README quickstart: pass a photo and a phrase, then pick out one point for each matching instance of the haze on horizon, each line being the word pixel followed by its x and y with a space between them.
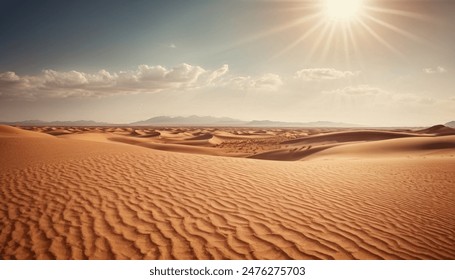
pixel 370 62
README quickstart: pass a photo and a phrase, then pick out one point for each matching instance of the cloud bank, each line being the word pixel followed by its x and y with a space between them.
pixel 144 79
pixel 153 79
pixel 301 93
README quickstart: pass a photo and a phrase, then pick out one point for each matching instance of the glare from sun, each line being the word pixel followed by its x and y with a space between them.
pixel 343 9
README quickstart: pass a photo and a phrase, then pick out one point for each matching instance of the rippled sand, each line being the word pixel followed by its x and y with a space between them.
pixel 194 193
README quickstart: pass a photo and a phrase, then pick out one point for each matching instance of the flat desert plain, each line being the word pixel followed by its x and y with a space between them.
pixel 226 193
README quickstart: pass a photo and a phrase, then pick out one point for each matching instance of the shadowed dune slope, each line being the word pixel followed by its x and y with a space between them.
pixel 73 199
pixel 292 154
pixel 401 147
pixel 438 130
pixel 350 136
pixel 168 147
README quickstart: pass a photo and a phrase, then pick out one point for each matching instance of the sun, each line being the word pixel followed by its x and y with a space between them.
pixel 345 10
pixel 338 28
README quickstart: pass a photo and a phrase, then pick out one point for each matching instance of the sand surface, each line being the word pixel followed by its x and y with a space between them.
pixel 226 193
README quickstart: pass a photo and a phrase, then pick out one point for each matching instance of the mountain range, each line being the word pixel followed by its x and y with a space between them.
pixel 56 123
pixel 193 121
pixel 186 121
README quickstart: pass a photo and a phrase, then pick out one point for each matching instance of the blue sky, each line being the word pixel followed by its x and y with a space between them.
pixel 391 63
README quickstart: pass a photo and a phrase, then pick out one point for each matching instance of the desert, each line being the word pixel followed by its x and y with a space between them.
pixel 107 192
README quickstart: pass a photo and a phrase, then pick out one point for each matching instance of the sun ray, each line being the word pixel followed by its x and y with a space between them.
pixel 281 28
pixel 394 28
pixel 398 13
pixel 378 38
pixel 328 43
pixel 346 45
pixel 317 42
pixel 335 31
pixel 356 49
pixel 300 39
pixel 352 38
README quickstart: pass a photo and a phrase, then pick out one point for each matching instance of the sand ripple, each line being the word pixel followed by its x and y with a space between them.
pixel 145 204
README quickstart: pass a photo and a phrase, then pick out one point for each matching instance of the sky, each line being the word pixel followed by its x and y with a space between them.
pixel 368 62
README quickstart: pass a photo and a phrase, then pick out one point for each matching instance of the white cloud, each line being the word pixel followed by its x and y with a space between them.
pixel 8 77
pixel 213 76
pixel 320 74
pixel 360 90
pixel 172 46
pixel 69 79
pixel 437 70
pixel 269 82
pixel 144 79
pixel 184 74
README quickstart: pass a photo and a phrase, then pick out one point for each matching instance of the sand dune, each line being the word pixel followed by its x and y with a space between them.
pixel 204 136
pixel 403 147
pixel 292 154
pixel 400 147
pixel 350 136
pixel 169 147
pixel 103 193
pixel 271 144
pixel 438 130
pixel 9 131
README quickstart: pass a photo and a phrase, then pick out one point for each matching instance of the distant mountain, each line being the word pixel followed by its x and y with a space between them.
pixel 187 121
pixel 450 124
pixel 57 123
pixel 28 122
pixel 191 120
pixel 215 121
pixel 267 123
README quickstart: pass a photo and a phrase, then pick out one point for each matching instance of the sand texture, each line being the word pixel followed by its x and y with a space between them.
pixel 226 193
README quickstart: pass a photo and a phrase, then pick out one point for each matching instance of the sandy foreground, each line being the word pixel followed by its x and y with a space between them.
pixel 226 193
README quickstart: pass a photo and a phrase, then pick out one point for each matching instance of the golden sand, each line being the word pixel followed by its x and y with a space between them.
pixel 226 193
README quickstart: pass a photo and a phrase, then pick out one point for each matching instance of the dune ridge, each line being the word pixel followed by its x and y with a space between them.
pixel 258 143
pixel 67 198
